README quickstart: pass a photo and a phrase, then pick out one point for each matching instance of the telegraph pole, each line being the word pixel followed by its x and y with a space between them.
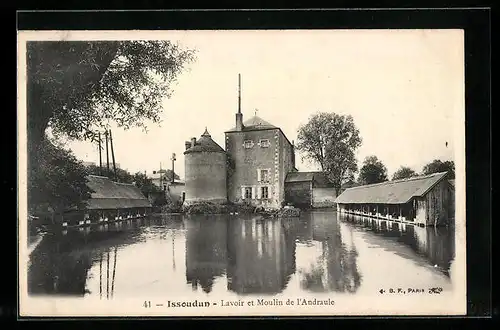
pixel 107 153
pixel 173 173
pixel 100 155
pixel 113 155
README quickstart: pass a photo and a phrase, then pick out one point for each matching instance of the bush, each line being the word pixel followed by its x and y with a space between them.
pixel 171 206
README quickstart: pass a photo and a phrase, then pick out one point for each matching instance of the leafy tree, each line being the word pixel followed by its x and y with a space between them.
pixel 144 183
pixel 77 87
pixel 403 173
pixel 58 182
pixel 331 140
pixel 372 171
pixel 439 166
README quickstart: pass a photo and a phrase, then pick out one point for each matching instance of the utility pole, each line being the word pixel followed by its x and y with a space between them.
pixel 113 155
pixel 100 155
pixel 173 173
pixel 107 153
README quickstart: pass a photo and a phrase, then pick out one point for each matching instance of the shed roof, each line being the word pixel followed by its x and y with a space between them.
pixel 205 144
pixel 391 192
pixel 319 178
pixel 107 194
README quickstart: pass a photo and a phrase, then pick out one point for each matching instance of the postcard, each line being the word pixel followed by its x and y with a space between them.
pixel 241 173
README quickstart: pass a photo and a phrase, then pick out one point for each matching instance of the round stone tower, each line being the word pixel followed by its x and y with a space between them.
pixel 205 171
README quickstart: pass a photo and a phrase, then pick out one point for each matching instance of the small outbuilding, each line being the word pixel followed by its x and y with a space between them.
pixel 425 200
pixel 309 190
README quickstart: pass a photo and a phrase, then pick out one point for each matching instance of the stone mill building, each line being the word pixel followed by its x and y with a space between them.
pixel 252 169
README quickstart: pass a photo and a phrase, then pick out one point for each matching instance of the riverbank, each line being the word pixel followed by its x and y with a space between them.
pixel 232 209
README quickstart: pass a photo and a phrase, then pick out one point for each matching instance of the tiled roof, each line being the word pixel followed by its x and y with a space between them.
pixel 107 194
pixel 205 144
pixel 391 192
pixel 255 123
pixel 320 179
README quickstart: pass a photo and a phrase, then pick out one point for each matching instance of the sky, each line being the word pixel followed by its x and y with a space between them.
pixel 404 89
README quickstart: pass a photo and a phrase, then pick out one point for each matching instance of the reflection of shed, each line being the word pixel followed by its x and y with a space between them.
pixel 309 189
pixel 425 199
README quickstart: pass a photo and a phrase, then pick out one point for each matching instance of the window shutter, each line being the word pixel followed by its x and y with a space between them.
pixel 259 178
pixel 259 193
pixel 243 192
pixel 253 192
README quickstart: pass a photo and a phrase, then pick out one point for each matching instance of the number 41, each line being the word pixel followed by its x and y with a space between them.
pixel 147 304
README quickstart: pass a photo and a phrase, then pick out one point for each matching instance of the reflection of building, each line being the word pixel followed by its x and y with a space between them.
pixel 336 269
pixel 437 244
pixel 206 251
pixel 261 256
pixel 426 200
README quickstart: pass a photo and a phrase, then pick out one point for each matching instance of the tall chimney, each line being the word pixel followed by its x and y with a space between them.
pixel 193 141
pixel 187 144
pixel 239 115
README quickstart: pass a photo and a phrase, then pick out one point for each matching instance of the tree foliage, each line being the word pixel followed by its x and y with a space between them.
pixel 145 184
pixel 76 88
pixel 403 173
pixel 439 166
pixel 331 140
pixel 59 182
pixel 372 171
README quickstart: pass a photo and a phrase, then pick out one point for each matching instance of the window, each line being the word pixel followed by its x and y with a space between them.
pixel 264 192
pixel 248 144
pixel 264 143
pixel 263 175
pixel 248 193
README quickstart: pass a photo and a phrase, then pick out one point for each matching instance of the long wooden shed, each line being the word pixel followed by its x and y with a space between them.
pixel 425 200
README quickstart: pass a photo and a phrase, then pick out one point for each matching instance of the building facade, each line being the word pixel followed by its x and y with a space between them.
pixel 260 158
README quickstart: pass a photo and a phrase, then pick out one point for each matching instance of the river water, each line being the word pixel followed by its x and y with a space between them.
pixel 196 256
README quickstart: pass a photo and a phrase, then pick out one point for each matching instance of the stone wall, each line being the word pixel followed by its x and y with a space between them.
pixel 247 162
pixel 205 177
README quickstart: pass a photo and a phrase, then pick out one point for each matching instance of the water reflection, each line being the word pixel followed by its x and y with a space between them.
pixel 261 256
pixel 206 251
pixel 436 245
pixel 335 268
pixel 318 252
